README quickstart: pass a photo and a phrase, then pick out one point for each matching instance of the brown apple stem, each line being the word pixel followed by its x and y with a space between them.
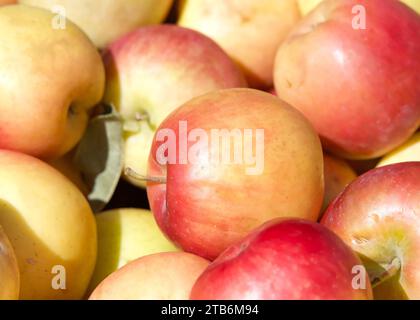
pixel 136 176
pixel 390 271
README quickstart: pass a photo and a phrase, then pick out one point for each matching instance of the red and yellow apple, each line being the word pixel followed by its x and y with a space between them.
pixel 106 20
pixel 50 226
pixel 9 271
pixel 285 259
pixel 151 72
pixel 358 84
pixel 160 276
pixel 337 175
pixel 409 151
pixel 249 30
pixel 206 201
pixel 123 236
pixel 378 216
pixel 49 81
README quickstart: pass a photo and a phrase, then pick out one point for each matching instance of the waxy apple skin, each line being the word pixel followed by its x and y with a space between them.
pixel 250 31
pixel 152 71
pixel 359 88
pixel 50 79
pixel 106 20
pixel 378 215
pixel 49 223
pixel 159 276
pixel 285 259
pixel 205 208
pixel 9 270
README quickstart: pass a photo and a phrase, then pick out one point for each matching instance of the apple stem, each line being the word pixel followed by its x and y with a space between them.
pixel 136 176
pixel 388 273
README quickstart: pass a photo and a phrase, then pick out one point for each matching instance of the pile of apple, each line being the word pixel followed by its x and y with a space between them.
pixel 87 88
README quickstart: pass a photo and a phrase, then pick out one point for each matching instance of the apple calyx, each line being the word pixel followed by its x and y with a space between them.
pixel 390 270
pixel 140 177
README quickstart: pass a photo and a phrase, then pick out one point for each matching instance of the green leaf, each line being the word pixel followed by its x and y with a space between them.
pixel 99 157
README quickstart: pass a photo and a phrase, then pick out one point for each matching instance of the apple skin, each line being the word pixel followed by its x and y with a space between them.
pixel 5 2
pixel 123 236
pixel 378 215
pixel 9 271
pixel 50 80
pixel 153 70
pixel 106 20
pixel 48 222
pixel 205 208
pixel 308 5
pixel 409 151
pixel 160 276
pixel 285 259
pixel 359 88
pixel 250 31
pixel 337 175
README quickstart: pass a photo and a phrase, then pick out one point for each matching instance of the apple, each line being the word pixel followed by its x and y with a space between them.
pixel 337 175
pixel 50 226
pixel 4 2
pixel 9 271
pixel 213 195
pixel 123 236
pixel 409 151
pixel 415 4
pixel 307 6
pixel 152 71
pixel 359 87
pixel 285 259
pixel 106 20
pixel 249 30
pixel 160 276
pixel 50 80
pixel 378 216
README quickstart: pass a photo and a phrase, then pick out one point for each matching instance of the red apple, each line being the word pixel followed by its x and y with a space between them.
pixel 289 259
pixel 358 84
pixel 207 205
pixel 159 276
pixel 378 215
pixel 152 71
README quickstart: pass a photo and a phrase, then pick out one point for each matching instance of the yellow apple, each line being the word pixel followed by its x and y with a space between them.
pixel 159 276
pixel 50 226
pixel 250 31
pixel 307 5
pixel 106 20
pixel 9 271
pixel 50 79
pixel 123 236
pixel 415 4
pixel 409 151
